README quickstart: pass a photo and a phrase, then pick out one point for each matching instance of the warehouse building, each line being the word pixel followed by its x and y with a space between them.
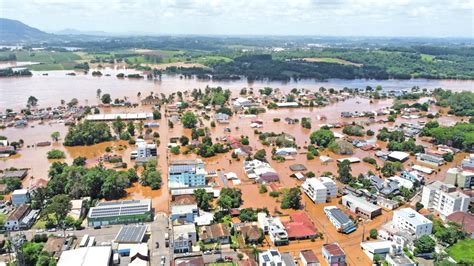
pixel 361 207
pixel 340 220
pixel 127 211
pixel 112 117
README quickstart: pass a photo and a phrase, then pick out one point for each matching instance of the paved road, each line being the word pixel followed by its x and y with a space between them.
pixel 158 229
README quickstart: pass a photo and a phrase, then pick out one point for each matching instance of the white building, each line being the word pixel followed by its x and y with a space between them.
pixel 409 220
pixel 380 247
pixel 184 237
pixel 95 255
pixel 319 190
pixel 399 260
pixel 271 257
pixel 20 196
pixel 444 198
pixel 274 228
pixel 468 162
pixel 360 206
pixel 459 178
pixel 184 213
pixel 145 150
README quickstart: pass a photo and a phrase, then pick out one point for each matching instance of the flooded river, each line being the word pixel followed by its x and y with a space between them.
pixel 53 86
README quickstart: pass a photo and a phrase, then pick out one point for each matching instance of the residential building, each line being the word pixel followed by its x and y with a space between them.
pixel 401 182
pixel 221 118
pixel 398 156
pixel 333 254
pixel 184 213
pixel 444 198
pixel 184 237
pixel 319 190
pixel 21 218
pixel 20 196
pixel 113 117
pixel 339 220
pixel 430 159
pixel 466 220
pixel 77 209
pixel 361 207
pixel 379 247
pixel 468 162
pixel 300 226
pixel 261 171
pixel 288 260
pixel 271 257
pixel 117 212
pixel 144 151
pixel 399 260
pixel 251 233
pixel 274 228
pixel 308 258
pixel 215 233
pixel 241 102
pixel 411 221
pixel 285 151
pixel 94 255
pixel 186 173
pixel 387 204
pixel 460 178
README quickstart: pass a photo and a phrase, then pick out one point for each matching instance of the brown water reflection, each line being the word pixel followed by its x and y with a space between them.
pixel 57 85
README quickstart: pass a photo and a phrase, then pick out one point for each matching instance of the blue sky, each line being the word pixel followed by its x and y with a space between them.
pixel 422 18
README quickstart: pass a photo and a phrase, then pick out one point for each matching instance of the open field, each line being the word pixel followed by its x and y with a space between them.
pixel 331 60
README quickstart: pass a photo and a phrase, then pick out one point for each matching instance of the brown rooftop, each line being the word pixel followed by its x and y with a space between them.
pixel 54 244
pixel 214 231
pixel 334 249
pixel 466 220
pixel 309 256
pixel 19 212
pixel 250 231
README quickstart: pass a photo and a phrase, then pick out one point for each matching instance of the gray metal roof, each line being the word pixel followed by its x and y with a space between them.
pixel 175 169
pixel 339 216
pixel 126 207
pixel 131 234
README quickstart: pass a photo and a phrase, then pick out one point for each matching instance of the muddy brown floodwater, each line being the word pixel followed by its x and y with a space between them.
pixel 50 89
pixel 52 86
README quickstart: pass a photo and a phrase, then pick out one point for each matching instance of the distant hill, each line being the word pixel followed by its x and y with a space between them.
pixel 69 31
pixel 14 31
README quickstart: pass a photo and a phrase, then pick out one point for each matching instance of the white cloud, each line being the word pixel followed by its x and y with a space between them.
pixel 314 17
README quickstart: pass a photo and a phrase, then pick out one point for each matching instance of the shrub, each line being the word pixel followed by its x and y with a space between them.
pixel 56 154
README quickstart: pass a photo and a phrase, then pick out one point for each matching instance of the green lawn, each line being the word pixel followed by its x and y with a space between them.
pixel 462 250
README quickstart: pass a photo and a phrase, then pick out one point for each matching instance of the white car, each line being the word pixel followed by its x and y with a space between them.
pixel 163 260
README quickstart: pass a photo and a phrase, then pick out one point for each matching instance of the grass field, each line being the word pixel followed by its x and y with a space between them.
pixel 331 60
pixel 48 60
pixel 462 250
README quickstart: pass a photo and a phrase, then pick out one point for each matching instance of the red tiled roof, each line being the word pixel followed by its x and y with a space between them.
pixel 309 256
pixel 334 249
pixel 300 226
pixel 466 220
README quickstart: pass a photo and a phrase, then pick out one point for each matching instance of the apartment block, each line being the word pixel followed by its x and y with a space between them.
pixel 186 173
pixel 444 198
pixel 411 221
pixel 319 190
